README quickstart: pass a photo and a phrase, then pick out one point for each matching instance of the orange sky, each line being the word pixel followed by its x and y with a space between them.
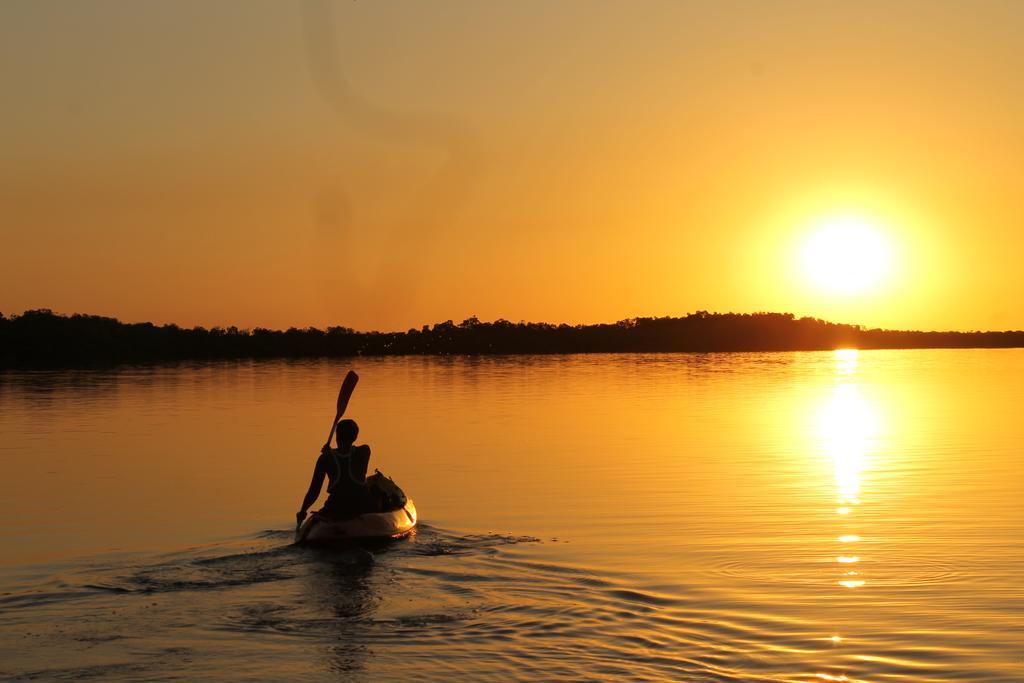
pixel 385 165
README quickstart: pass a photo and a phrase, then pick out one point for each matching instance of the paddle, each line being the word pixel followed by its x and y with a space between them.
pixel 344 394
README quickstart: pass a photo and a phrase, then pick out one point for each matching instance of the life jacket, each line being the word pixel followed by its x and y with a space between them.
pixel 342 461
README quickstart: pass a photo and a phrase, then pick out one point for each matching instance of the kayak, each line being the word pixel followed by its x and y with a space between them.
pixel 367 526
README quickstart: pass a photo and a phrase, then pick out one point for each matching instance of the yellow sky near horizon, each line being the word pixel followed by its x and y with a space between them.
pixel 386 165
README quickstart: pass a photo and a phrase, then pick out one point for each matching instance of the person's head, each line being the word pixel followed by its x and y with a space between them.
pixel 348 430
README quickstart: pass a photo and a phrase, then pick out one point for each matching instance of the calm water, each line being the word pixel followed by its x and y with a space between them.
pixel 747 517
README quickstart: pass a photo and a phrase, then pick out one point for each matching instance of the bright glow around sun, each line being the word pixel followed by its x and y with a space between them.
pixel 846 255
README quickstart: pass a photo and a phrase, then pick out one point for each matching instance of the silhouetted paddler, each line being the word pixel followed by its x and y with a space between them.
pixel 345 469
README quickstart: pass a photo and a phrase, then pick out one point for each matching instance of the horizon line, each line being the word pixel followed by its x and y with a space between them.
pixel 470 319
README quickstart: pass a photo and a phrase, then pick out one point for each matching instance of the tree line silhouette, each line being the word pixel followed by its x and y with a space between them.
pixel 43 338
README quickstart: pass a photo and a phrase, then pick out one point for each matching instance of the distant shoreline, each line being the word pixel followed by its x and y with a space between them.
pixel 41 338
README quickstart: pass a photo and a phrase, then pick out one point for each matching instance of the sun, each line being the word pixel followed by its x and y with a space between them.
pixel 846 255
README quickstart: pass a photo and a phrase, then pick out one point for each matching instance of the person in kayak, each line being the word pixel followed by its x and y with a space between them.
pixel 345 469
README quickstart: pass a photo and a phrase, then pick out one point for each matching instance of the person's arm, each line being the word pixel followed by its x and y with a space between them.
pixel 317 482
pixel 360 461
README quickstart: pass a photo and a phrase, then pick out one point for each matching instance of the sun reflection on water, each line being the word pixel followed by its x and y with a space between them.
pixel 848 426
pixel 846 361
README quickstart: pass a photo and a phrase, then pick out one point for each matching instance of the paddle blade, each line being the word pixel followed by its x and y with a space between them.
pixel 347 387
